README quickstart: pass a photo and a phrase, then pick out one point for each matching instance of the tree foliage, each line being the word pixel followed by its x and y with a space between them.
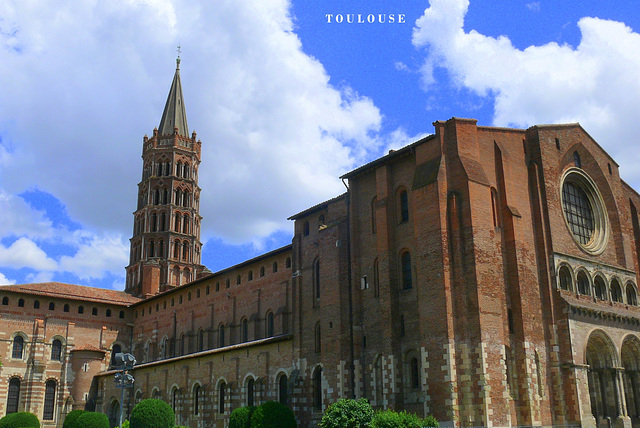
pixel 20 419
pixel 347 413
pixel 273 414
pixel 241 417
pixel 92 420
pixel 152 413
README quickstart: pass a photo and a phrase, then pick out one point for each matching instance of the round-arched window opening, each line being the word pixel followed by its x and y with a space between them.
pixel 584 211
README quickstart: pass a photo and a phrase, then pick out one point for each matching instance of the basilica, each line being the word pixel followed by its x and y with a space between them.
pixel 487 276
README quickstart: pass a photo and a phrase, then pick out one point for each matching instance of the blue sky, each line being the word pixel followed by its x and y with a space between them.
pixel 283 101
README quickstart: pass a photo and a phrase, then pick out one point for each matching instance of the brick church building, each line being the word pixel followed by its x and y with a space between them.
pixel 487 276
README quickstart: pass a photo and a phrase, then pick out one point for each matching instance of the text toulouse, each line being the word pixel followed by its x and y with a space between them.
pixel 371 18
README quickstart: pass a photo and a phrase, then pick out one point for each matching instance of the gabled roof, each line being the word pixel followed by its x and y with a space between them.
pixel 174 114
pixel 73 292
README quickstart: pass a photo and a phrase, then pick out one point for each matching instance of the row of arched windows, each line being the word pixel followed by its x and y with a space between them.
pixel 18 347
pixel 198 398
pixel 65 308
pixel 596 286
pixel 13 397
pixel 163 168
pixel 159 222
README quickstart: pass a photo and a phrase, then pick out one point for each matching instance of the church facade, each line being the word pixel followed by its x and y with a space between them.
pixel 487 276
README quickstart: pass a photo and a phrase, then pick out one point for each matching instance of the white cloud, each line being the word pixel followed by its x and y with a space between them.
pixel 594 83
pixel 24 253
pixel 17 218
pixel 5 281
pixel 96 257
pixel 276 134
pixel 533 6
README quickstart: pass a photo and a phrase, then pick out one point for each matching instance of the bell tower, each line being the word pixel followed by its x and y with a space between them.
pixel 165 247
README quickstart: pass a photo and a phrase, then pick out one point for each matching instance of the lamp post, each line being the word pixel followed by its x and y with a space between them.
pixel 122 379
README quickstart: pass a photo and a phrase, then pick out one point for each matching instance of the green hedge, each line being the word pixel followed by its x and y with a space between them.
pixel 20 419
pixel 152 413
pixel 391 419
pixel 72 417
pixel 241 417
pixel 347 413
pixel 92 420
pixel 273 414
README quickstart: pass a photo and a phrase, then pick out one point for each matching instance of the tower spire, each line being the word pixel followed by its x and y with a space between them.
pixel 174 115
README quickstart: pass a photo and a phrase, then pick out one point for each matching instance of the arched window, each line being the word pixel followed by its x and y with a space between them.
pixel 18 347
pixel 49 400
pixel 152 249
pixel 270 325
pixel 262 271
pixel 94 311
pixel 407 281
pixel 402 328
pixel 288 263
pixel 305 228
pixel 52 306
pixel 66 307
pixel 163 221
pixel 13 397
pixel 161 248
pixel 185 250
pixel 228 284
pixel 221 335
pixel 174 400
pixel 154 222
pixel 415 373
pixel 599 288
pixel 108 313
pixel 275 267
pixel 36 304
pixel 185 224
pixel 56 350
pixel 165 196
pixel 238 279
pixel 583 284
pixel 176 249
pixel 632 298
pixel 317 338
pixel 245 330
pixel 317 389
pixel 316 278
pixel 21 303
pixel 177 223
pixel 156 197
pixel 404 206
pixel 576 159
pixel 250 275
pixel 116 349
pixel 565 278
pixel 197 392
pixel 250 392
pixel 5 301
pixel 222 396
pixel 121 314
pixel 283 391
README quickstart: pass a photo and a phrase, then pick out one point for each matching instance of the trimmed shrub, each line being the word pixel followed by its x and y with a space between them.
pixel 241 417
pixel 347 413
pixel 20 419
pixel 152 413
pixel 272 414
pixel 72 417
pixel 125 424
pixel 391 419
pixel 92 420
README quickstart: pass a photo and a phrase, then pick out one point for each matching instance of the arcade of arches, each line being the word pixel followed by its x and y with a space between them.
pixel 613 377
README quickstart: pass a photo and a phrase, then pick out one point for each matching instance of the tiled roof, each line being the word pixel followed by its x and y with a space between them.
pixel 88 348
pixel 72 291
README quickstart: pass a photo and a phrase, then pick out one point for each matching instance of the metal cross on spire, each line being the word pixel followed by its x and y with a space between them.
pixel 178 59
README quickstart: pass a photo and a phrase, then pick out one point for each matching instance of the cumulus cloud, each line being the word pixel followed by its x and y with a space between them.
pixel 24 253
pixel 96 257
pixel 594 83
pixel 5 281
pixel 276 134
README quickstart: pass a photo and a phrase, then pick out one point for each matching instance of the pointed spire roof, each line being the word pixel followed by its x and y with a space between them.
pixel 174 114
